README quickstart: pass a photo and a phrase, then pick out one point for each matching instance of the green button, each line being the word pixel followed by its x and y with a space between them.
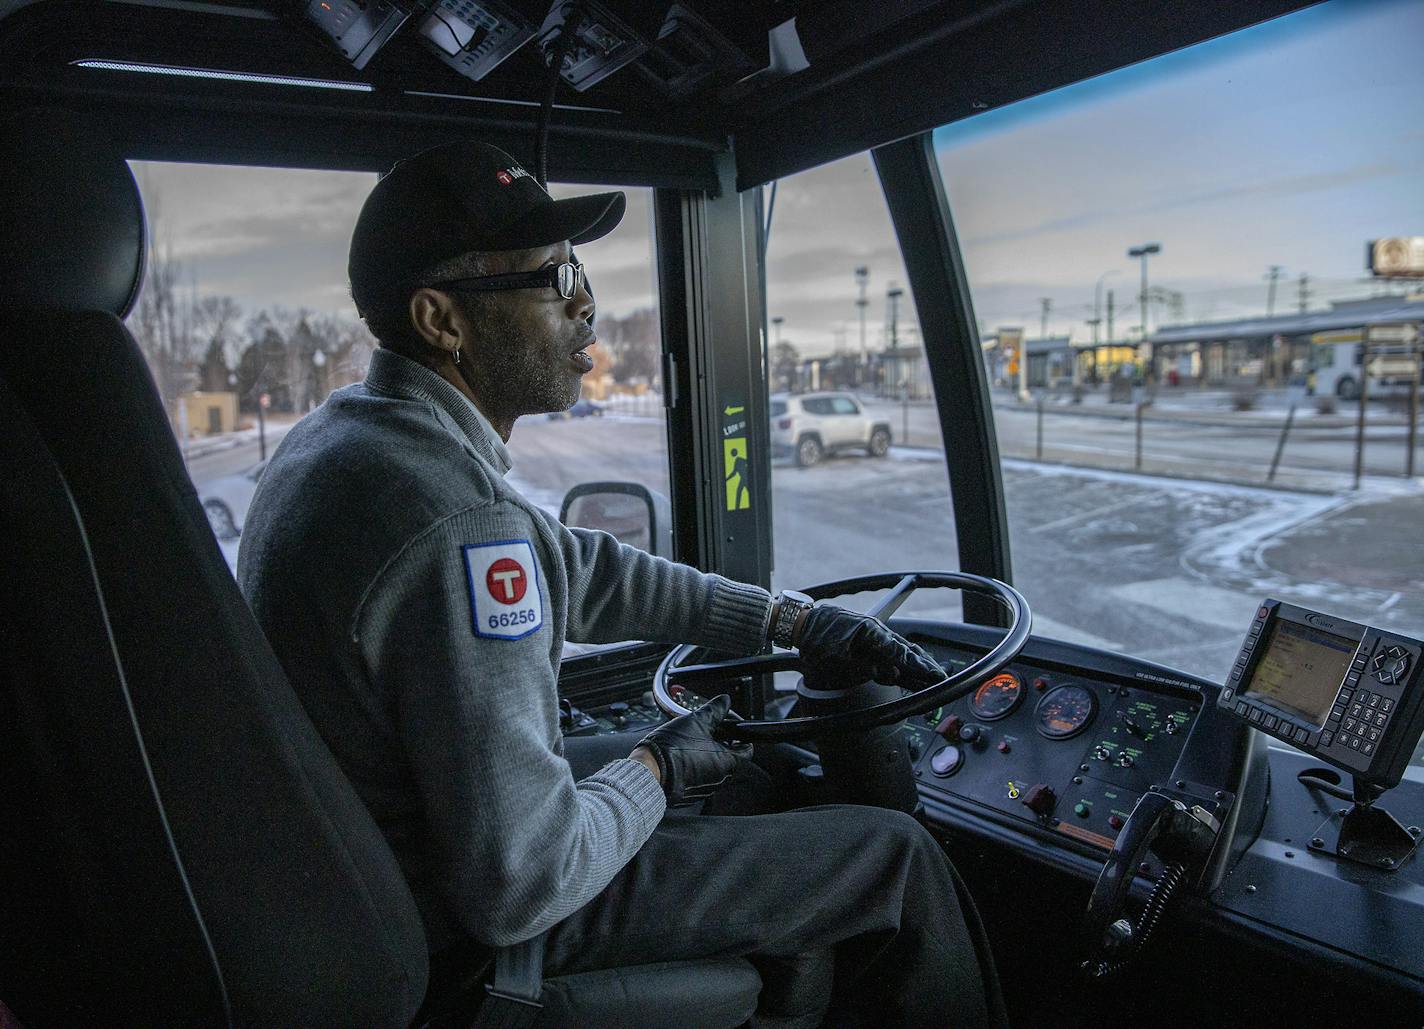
pixel 1081 809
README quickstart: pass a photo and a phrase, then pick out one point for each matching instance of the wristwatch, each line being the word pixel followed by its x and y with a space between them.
pixel 790 606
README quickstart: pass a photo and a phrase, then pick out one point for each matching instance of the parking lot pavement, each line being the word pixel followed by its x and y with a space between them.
pixel 1172 571
pixel 1167 569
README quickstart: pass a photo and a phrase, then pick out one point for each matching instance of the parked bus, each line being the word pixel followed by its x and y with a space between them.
pixel 1337 361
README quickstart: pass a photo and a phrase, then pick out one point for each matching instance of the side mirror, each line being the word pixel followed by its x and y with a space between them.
pixel 631 513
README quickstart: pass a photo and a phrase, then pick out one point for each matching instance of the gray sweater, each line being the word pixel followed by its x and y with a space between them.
pixel 420 605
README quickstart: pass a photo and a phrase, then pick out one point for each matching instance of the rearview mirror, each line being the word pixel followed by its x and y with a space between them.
pixel 631 513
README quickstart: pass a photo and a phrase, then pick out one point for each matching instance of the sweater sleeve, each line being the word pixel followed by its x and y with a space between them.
pixel 471 685
pixel 618 592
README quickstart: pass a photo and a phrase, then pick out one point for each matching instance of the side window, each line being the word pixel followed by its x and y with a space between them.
pixel 247 324
pixel 845 504
pixel 617 431
pixel 244 317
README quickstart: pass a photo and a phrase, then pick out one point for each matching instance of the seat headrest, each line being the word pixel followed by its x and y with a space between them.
pixel 72 234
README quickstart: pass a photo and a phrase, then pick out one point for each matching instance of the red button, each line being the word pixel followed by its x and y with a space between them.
pixel 1003 746
pixel 1040 683
pixel 1115 821
pixel 949 727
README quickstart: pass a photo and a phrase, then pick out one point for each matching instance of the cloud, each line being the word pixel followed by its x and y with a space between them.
pixel 1281 187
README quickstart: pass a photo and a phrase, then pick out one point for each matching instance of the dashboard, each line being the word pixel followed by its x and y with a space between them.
pixel 1046 761
pixel 1064 750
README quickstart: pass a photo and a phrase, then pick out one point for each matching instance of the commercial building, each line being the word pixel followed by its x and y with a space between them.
pixel 1285 349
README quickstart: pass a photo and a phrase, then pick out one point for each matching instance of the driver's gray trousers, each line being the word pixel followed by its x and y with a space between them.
pixel 863 890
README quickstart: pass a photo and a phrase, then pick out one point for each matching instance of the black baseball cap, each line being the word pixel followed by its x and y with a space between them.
pixel 455 199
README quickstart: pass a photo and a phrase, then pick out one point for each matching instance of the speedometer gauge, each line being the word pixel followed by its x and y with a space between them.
pixel 997 697
pixel 1065 711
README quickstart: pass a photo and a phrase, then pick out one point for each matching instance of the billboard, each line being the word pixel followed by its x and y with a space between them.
pixel 1398 257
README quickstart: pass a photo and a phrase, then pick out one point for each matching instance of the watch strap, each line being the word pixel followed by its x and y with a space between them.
pixel 789 609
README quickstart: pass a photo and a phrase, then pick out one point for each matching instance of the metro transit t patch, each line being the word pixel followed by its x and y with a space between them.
pixel 504 589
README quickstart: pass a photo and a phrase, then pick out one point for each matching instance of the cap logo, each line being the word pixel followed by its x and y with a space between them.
pixel 508 175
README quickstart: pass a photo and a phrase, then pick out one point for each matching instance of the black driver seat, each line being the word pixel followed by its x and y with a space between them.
pixel 177 845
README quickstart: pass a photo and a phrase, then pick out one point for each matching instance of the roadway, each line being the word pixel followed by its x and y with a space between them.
pixel 1319 452
pixel 1169 569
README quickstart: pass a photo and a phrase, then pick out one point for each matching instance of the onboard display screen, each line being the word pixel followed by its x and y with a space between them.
pixel 1301 669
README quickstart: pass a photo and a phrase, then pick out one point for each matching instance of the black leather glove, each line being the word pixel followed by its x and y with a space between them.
pixel 847 647
pixel 691 763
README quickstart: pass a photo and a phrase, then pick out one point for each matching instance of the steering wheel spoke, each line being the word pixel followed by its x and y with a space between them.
pixel 720 671
pixel 904 589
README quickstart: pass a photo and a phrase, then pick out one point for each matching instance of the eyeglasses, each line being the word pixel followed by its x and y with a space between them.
pixel 566 278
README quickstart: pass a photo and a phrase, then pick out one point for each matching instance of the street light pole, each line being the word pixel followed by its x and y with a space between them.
pixel 1142 254
pixel 862 279
pixel 892 301
pixel 1098 318
pixel 1098 304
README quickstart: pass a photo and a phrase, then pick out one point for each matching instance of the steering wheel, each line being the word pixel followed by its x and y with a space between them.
pixel 902 585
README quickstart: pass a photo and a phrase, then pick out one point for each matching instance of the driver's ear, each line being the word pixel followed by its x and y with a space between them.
pixel 433 315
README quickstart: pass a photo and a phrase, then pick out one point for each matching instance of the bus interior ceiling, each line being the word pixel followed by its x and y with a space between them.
pixel 782 85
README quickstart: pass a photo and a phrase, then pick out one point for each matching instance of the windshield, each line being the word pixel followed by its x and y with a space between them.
pixel 246 321
pixel 1166 268
pixel 842 318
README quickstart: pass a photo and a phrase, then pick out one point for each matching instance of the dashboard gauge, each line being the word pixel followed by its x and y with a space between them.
pixel 1065 711
pixel 997 697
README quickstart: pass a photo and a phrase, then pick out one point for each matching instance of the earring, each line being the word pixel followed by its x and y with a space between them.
pixel 457 355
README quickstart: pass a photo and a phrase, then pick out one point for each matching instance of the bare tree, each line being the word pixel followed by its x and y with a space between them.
pixel 215 330
pixel 785 366
pixel 162 323
pixel 162 320
pixel 347 344
pixel 634 342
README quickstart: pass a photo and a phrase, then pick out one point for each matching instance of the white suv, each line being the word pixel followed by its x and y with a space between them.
pixel 808 425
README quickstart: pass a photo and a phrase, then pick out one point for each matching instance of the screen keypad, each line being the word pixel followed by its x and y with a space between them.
pixel 1362 726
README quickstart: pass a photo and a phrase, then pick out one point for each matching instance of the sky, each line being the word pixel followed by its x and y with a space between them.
pixel 1289 144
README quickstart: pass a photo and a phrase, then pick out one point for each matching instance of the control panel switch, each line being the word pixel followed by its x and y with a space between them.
pixel 1040 799
pixel 949 727
pixel 946 760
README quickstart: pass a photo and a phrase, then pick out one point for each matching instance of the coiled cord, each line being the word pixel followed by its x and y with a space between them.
pixel 1162 890
pixel 568 34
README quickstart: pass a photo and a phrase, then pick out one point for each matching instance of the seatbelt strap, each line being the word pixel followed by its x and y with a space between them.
pixel 512 999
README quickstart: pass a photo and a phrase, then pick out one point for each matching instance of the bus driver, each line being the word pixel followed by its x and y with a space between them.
pixel 420 606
